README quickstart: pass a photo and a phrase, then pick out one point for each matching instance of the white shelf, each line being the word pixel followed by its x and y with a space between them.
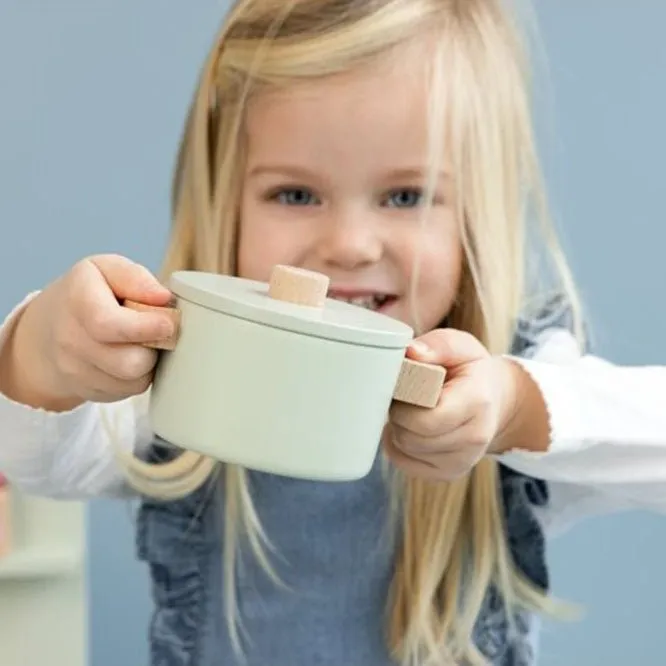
pixel 43 601
pixel 40 562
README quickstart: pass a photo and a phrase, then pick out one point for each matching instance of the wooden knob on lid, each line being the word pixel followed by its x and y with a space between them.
pixel 299 286
pixel 168 344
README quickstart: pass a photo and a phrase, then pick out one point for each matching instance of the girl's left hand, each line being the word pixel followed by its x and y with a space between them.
pixel 475 415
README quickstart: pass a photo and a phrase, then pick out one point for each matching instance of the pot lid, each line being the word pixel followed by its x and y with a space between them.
pixel 294 300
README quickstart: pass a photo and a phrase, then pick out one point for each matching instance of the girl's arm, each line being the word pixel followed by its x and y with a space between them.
pixel 67 455
pixel 607 449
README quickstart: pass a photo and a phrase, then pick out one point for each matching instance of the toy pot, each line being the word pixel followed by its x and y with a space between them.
pixel 280 378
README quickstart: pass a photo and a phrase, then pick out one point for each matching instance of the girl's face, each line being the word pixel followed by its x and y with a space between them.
pixel 334 183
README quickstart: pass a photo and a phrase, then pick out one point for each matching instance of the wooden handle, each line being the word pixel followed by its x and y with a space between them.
pixel 168 344
pixel 418 383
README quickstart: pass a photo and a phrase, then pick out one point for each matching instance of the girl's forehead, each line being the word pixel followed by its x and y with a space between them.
pixel 381 107
pixel 403 70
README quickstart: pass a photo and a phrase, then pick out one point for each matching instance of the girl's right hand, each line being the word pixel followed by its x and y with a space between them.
pixel 75 342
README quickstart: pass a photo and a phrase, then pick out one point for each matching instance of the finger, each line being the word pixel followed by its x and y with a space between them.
pixel 106 321
pixel 437 466
pixel 93 384
pixel 418 446
pixel 455 407
pixel 124 362
pixel 447 347
pixel 458 450
pixel 97 309
pixel 410 465
pixel 129 280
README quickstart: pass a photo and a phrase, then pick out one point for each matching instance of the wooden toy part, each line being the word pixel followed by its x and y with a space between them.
pixel 299 286
pixel 419 383
pixel 169 344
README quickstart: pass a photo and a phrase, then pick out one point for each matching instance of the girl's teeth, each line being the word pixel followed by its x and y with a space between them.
pixel 368 302
pixel 363 301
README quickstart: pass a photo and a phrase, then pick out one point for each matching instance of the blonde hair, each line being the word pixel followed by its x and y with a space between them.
pixel 478 66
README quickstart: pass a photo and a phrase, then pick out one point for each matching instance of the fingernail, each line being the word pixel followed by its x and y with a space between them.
pixel 420 347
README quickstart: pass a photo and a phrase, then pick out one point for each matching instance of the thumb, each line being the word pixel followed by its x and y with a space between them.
pixel 447 347
pixel 129 280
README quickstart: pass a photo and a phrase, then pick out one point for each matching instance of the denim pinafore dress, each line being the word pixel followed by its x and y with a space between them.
pixel 332 554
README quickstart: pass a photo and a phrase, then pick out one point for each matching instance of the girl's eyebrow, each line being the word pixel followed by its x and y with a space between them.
pixel 417 173
pixel 281 169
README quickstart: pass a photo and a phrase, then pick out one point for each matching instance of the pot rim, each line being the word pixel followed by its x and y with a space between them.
pixel 249 299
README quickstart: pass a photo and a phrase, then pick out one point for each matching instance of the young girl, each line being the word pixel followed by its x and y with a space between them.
pixel 388 144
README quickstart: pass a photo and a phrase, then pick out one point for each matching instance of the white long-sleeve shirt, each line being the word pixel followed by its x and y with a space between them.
pixel 607 451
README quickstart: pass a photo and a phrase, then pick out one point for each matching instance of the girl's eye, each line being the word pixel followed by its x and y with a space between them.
pixel 295 196
pixel 406 198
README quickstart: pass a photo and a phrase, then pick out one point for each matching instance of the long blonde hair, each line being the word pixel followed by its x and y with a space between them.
pixel 449 529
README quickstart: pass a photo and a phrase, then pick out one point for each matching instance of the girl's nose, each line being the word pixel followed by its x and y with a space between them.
pixel 350 241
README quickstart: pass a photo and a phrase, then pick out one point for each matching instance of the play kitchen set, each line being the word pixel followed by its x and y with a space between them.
pixel 279 377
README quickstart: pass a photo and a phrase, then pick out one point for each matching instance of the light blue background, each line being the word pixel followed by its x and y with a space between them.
pixel 92 96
